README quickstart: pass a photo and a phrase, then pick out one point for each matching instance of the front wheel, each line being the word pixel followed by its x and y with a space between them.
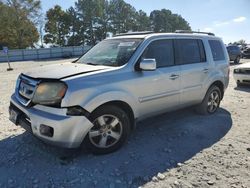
pixel 110 131
pixel 211 101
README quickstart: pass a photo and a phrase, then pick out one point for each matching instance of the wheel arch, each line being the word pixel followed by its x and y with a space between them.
pixel 124 106
pixel 220 85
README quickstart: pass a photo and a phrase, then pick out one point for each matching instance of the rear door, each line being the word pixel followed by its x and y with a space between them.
pixel 194 69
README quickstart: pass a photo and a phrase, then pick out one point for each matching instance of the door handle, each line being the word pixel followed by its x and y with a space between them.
pixel 205 70
pixel 174 76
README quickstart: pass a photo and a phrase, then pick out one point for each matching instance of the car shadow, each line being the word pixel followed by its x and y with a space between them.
pixel 157 145
pixel 245 88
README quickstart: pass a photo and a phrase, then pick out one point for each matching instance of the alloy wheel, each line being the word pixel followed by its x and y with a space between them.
pixel 213 102
pixel 106 132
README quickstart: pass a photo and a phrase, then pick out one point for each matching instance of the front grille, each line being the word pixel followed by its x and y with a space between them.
pixel 25 89
pixel 243 71
pixel 246 71
pixel 246 81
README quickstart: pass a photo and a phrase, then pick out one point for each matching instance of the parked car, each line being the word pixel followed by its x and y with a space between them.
pixel 98 99
pixel 242 74
pixel 246 53
pixel 234 53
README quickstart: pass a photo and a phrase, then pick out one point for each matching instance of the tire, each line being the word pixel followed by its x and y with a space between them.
pixel 237 60
pixel 210 104
pixel 239 84
pixel 110 131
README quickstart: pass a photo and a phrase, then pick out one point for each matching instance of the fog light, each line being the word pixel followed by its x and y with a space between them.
pixel 46 130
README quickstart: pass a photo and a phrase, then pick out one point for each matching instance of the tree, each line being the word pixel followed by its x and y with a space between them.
pixel 89 13
pixel 17 30
pixel 241 42
pixel 75 28
pixel 57 27
pixel 30 8
pixel 142 21
pixel 164 21
pixel 103 21
pixel 123 16
pixel 91 20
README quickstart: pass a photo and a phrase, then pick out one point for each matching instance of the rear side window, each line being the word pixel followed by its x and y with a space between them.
pixel 188 51
pixel 217 50
pixel 162 51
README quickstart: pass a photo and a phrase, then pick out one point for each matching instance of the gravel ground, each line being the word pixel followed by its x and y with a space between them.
pixel 178 149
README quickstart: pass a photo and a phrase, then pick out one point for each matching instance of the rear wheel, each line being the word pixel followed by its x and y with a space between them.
pixel 110 131
pixel 211 101
pixel 239 84
pixel 237 60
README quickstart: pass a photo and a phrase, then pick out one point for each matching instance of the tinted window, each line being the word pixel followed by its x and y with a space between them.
pixel 236 48
pixel 217 50
pixel 189 51
pixel 162 51
pixel 202 51
pixel 233 48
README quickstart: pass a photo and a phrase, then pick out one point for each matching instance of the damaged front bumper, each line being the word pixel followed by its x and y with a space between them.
pixel 49 124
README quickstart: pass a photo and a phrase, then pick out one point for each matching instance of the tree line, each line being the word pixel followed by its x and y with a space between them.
pixel 18 21
pixel 87 22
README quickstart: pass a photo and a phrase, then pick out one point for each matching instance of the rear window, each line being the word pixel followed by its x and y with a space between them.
pixel 233 48
pixel 217 50
pixel 189 51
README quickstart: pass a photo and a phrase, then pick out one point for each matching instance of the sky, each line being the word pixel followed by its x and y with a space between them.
pixel 228 19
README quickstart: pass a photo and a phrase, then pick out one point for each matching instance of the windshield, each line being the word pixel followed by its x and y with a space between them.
pixel 112 52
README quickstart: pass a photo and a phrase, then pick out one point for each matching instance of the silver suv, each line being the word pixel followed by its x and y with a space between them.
pixel 98 99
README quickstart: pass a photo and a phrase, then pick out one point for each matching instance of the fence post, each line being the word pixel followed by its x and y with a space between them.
pixel 22 54
pixel 50 52
pixel 37 54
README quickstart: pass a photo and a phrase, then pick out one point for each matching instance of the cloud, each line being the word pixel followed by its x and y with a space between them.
pixel 239 19
pixel 207 29
pixel 219 24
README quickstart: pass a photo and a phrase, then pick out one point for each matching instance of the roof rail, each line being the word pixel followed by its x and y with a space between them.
pixel 135 33
pixel 198 32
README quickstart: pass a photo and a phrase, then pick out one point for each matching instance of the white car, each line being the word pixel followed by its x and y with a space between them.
pixel 242 74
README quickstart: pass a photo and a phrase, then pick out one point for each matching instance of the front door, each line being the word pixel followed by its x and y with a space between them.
pixel 158 90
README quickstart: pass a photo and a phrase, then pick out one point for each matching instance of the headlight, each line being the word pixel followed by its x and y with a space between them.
pixel 49 93
pixel 236 70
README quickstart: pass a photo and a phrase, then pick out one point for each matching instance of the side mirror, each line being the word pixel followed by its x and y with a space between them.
pixel 148 64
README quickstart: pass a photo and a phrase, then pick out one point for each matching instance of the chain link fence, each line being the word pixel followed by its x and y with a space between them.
pixel 43 53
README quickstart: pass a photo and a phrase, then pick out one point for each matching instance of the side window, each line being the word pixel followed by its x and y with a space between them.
pixel 162 51
pixel 202 51
pixel 189 51
pixel 217 50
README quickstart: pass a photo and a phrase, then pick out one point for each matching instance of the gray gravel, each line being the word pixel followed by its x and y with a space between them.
pixel 177 149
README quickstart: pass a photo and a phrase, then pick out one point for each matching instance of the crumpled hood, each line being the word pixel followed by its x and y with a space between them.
pixel 64 70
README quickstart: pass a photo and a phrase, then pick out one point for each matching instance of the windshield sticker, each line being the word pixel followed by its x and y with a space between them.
pixel 126 44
